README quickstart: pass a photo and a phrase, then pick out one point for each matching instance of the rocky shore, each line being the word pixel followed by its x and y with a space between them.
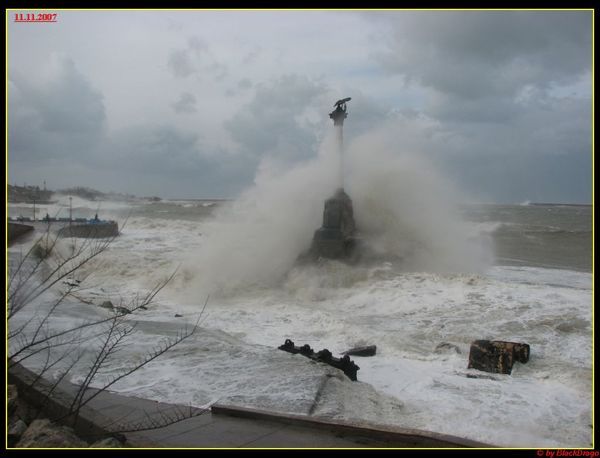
pixel 26 430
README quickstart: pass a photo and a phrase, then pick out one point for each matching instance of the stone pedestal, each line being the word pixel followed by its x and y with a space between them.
pixel 335 238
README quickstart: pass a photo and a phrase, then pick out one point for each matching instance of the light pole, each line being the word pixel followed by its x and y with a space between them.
pixel 34 196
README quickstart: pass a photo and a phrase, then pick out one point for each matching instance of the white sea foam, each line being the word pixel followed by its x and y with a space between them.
pixel 544 403
pixel 402 206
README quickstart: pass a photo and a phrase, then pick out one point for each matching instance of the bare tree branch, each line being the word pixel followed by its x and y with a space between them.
pixel 39 271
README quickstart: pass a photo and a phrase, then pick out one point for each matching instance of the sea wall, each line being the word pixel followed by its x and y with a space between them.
pixel 97 230
pixel 54 402
pixel 16 230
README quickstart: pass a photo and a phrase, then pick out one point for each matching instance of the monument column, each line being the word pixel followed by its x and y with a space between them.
pixel 338 115
pixel 335 238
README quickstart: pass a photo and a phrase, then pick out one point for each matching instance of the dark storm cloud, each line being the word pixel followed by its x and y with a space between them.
pixel 186 103
pixel 500 99
pixel 61 123
pixel 153 149
pixel 506 95
pixel 473 54
pixel 270 124
pixel 162 157
pixel 63 117
pixel 515 177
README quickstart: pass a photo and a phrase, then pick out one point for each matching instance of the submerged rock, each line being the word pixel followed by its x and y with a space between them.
pixel 107 305
pixel 368 350
pixel 345 364
pixel 446 347
pixel 497 356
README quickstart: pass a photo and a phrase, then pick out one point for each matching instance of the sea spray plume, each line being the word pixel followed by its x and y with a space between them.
pixel 405 208
pixel 257 239
pixel 402 208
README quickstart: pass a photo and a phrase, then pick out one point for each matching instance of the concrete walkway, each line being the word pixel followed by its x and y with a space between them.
pixel 233 427
pixel 220 426
pixel 210 429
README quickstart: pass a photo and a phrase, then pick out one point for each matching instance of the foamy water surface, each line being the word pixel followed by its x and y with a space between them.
pixel 407 314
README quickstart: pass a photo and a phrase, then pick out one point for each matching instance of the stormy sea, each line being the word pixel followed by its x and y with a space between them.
pixel 445 275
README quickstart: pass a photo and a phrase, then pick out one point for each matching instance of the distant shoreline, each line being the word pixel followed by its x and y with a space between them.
pixel 225 199
pixel 544 204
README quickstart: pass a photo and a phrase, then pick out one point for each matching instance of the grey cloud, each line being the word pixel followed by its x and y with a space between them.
pixel 62 117
pixel 364 114
pixel 269 124
pixel 244 83
pixel 206 59
pixel 197 45
pixel 193 58
pixel 186 103
pixel 449 107
pixel 496 123
pixel 472 54
pixel 70 104
pixel 171 161
pixel 515 178
pixel 251 57
pixel 542 153
pixel 57 132
pixel 153 149
pixel 180 63
pixel 501 100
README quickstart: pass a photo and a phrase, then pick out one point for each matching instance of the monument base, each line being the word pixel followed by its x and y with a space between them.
pixel 331 243
pixel 335 238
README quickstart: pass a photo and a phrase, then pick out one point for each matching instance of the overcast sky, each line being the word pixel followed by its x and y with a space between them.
pixel 187 103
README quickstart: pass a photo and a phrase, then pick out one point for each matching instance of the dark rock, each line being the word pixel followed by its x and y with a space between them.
pixel 71 282
pixel 445 347
pixel 368 350
pixel 497 356
pixel 177 315
pixel 480 376
pixel 41 250
pixel 16 428
pixel 324 356
pixel 122 310
pixel 306 350
pixel 107 442
pixel 12 398
pixel 44 433
pixel 107 305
